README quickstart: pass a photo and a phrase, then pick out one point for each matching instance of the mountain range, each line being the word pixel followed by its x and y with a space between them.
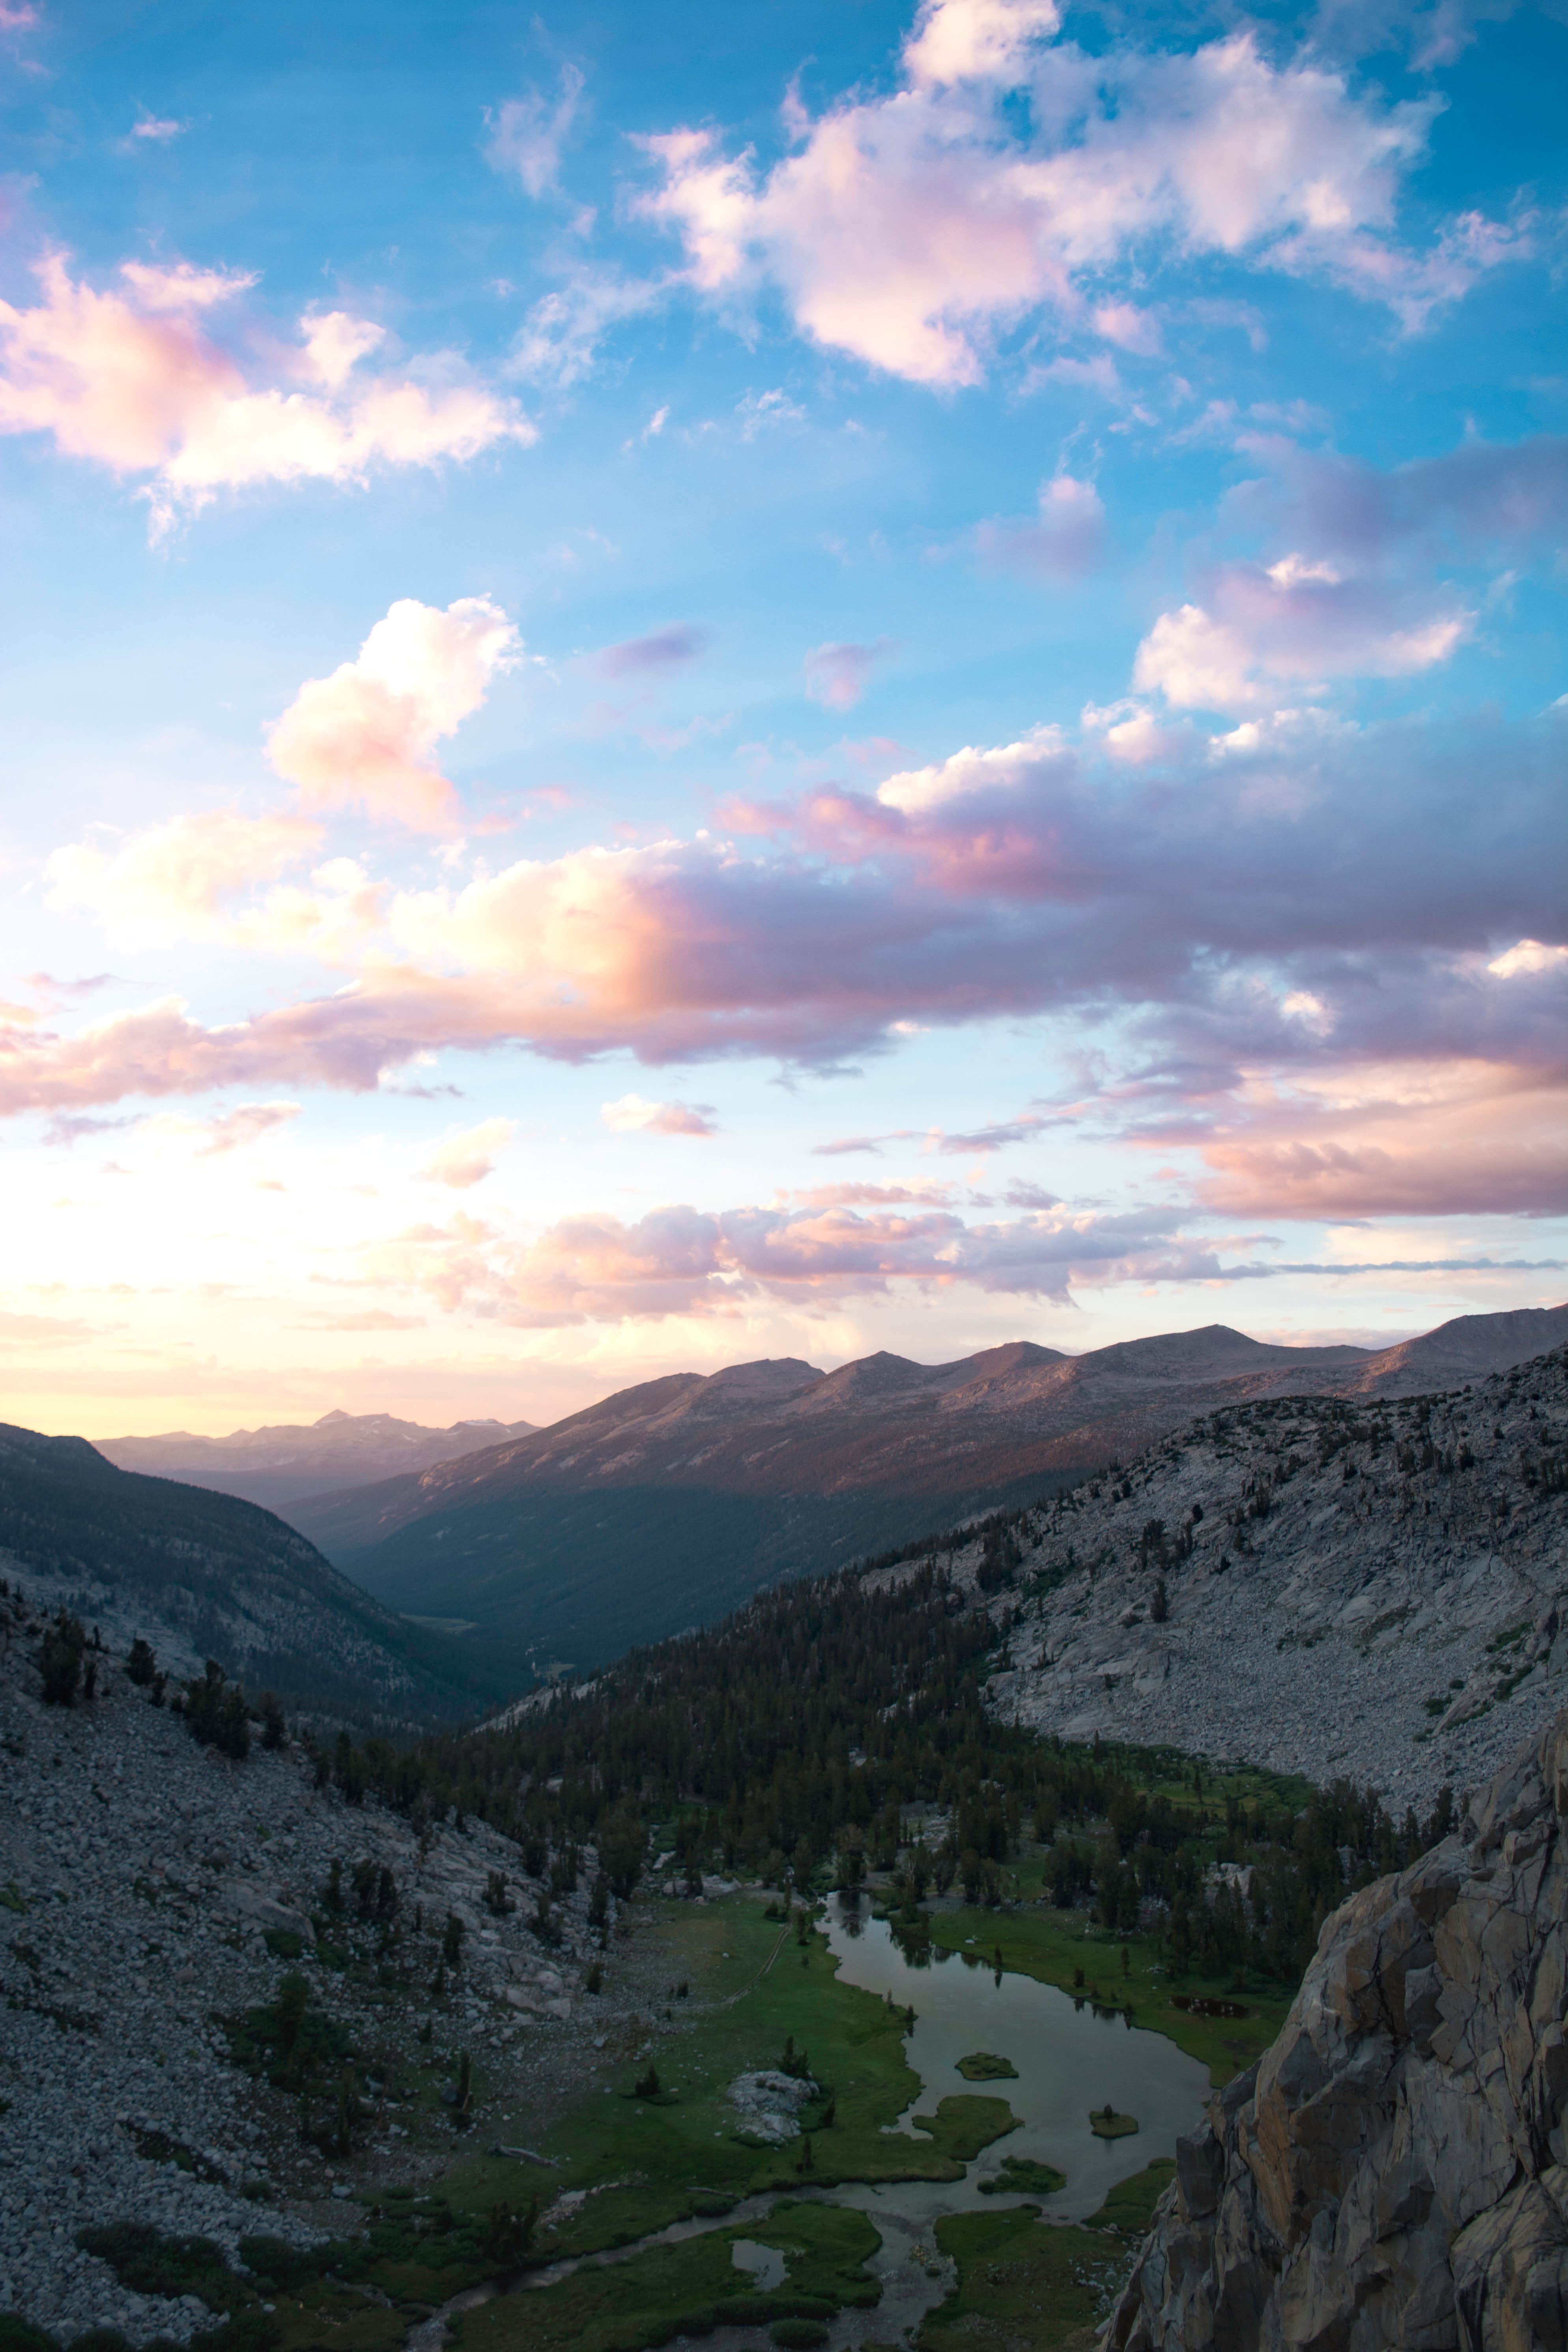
pixel 200 1575
pixel 671 1502
pixel 284 1461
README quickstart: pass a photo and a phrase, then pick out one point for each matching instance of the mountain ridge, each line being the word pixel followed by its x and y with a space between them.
pixel 281 1463
pixel 667 1503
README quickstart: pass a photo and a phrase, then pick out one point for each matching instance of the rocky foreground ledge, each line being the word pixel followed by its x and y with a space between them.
pixel 1395 2171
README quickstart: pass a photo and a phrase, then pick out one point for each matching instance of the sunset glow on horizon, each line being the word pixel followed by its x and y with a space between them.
pixel 778 684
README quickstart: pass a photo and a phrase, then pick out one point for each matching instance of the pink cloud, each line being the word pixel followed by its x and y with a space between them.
pixel 633 1114
pixel 133 379
pixel 1293 622
pixel 177 877
pixel 528 133
pixel 836 676
pixel 984 1139
pixel 1063 543
pixel 662 649
pixel 367 734
pixel 245 1125
pixel 466 1159
pixel 691 1262
pixel 1305 896
pixel 910 229
pixel 1481 499
pixel 1426 1141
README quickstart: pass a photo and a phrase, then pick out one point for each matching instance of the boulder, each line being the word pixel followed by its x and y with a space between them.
pixel 247 1903
pixel 1395 2171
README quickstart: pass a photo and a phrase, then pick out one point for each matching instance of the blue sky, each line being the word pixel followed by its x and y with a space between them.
pixel 792 682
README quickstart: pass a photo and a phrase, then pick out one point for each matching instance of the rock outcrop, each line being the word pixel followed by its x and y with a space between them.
pixel 1395 2171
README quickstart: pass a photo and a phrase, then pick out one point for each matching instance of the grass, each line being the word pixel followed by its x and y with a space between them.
pixel 984 2066
pixel 963 2124
pixel 1022 2176
pixel 1106 2123
pixel 687 2289
pixel 1022 2281
pixel 644 2164
pixel 1052 1947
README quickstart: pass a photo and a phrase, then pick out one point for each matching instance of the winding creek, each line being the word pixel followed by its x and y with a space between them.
pixel 1068 2062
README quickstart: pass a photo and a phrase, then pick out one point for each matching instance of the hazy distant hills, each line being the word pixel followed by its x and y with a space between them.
pixel 279 1465
pixel 201 1575
pixel 669 1503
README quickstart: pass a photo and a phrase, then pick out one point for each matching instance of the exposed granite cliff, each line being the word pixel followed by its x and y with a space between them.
pixel 1395 2171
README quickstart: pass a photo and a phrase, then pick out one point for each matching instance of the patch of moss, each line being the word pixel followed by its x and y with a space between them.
pixel 1106 2123
pixel 984 2066
pixel 690 2289
pixel 963 2124
pixel 1020 2176
pixel 1047 2286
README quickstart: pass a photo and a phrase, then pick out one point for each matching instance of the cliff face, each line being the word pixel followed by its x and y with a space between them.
pixel 1395 2171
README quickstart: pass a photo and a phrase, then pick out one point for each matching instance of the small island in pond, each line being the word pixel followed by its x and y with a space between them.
pixel 984 2066
pixel 1106 2123
pixel 1021 2177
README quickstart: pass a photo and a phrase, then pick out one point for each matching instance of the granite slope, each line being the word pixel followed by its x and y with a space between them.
pixel 206 1575
pixel 150 1891
pixel 1376 1587
pixel 1395 2171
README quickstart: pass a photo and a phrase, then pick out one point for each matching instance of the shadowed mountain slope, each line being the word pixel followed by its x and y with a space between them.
pixel 203 1575
pixel 285 1462
pixel 669 1503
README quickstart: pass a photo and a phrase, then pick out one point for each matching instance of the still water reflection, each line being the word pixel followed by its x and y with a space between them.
pixel 1068 2060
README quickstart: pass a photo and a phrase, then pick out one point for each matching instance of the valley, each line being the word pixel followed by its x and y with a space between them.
pixel 860 1965
pixel 669 1504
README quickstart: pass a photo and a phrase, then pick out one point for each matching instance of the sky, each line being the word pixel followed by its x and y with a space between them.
pixel 771 682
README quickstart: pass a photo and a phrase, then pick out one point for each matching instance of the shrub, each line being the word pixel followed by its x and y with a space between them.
pixel 148 2263
pixel 217 1714
pixel 60 1660
pixel 19 2334
pixel 141 1663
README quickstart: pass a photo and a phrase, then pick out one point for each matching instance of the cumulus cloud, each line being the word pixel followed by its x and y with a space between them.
pixel 528 133
pixel 836 676
pixel 1294 623
pixel 131 377
pixel 1310 897
pixel 466 1159
pixel 366 735
pixel 1529 957
pixel 157 130
pixel 1062 543
pixel 634 1115
pixel 178 877
pixel 910 229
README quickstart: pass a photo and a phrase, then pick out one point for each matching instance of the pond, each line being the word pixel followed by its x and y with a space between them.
pixel 1068 2062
